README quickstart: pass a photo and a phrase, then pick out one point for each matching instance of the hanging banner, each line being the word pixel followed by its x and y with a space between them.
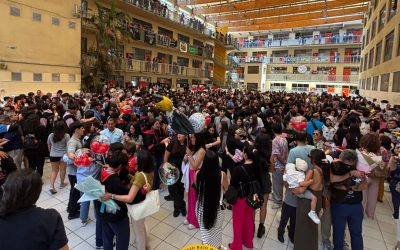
pixel 192 50
pixel 345 92
pixel 183 47
pixel 173 43
pixel 150 38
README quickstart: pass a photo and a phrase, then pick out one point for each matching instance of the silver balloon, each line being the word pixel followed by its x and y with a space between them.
pixel 169 174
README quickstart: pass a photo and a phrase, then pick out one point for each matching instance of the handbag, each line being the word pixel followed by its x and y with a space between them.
pixel 149 206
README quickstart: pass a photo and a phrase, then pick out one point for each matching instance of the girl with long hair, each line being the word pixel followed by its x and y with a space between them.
pixel 57 143
pixel 211 183
pixel 212 138
pixel 253 129
pixel 194 156
pixel 133 134
pixel 242 214
pixel 353 137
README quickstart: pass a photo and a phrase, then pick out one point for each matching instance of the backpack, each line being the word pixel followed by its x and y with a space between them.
pixel 254 198
pixel 31 142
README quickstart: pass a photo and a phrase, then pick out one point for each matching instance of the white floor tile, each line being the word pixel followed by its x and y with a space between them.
pixel 73 240
pixel 178 239
pixel 162 230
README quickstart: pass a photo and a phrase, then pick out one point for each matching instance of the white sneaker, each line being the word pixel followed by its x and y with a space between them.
pixel 191 227
pixel 314 217
pixel 185 222
pixel 85 222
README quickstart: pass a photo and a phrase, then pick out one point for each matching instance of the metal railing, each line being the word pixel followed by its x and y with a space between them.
pixel 296 59
pixel 313 77
pixel 182 19
pixel 318 40
pixel 165 69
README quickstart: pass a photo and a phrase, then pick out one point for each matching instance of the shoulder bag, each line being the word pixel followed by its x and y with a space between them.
pixel 149 206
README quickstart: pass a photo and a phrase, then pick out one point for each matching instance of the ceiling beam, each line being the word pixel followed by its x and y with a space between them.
pixel 298 17
pixel 247 5
pixel 283 11
pixel 295 24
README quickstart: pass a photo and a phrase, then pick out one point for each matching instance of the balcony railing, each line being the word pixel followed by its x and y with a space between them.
pixel 165 69
pixel 313 77
pixel 300 42
pixel 297 59
pixel 182 19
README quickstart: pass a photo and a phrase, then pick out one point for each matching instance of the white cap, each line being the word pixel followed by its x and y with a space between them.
pixel 301 165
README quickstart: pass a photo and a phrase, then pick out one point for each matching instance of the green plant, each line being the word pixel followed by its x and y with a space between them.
pixel 102 61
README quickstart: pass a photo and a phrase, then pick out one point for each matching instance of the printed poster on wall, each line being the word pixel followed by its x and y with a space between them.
pixel 183 47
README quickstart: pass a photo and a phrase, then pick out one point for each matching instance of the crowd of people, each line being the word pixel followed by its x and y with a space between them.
pixel 321 159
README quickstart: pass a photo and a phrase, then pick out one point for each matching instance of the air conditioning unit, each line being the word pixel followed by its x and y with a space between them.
pixel 77 11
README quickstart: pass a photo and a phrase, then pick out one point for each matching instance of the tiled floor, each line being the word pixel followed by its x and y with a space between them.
pixel 167 232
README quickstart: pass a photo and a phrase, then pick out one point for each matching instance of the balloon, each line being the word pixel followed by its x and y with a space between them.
pixel 198 122
pixel 126 110
pixel 100 144
pixel 208 120
pixel 168 173
pixel 299 123
pixel 82 158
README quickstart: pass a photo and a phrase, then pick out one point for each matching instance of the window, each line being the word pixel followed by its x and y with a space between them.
pixel 55 21
pixel 371 58
pixel 15 11
pixel 361 64
pixel 362 84
pixel 84 43
pixel 37 77
pixel 392 8
pixel 71 77
pixel 375 83
pixel 388 46
pixel 55 77
pixel 37 17
pixel 183 38
pixel 300 87
pixel 365 62
pixel 368 85
pixel 253 69
pixel 367 39
pixel 396 82
pixel 382 14
pixel 278 86
pixel 16 76
pixel 141 54
pixel 182 61
pixel 71 25
pixel 373 29
pixel 198 43
pixel 378 53
pixel 385 82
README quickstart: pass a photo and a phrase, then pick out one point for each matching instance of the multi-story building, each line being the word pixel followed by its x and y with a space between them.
pixel 380 67
pixel 39 46
pixel 163 45
pixel 303 61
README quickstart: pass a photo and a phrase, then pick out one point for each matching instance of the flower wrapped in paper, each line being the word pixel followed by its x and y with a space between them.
pixel 93 190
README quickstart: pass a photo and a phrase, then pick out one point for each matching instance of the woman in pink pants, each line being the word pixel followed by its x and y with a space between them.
pixel 195 161
pixel 242 214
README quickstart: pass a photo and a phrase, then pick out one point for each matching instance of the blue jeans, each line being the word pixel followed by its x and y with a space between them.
pixel 395 198
pixel 120 229
pixel 351 214
pixel 84 213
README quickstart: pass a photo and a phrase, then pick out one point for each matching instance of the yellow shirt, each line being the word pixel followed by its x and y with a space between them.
pixel 139 180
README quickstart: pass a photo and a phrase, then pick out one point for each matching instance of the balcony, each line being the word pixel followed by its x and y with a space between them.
pixel 158 68
pixel 269 43
pixel 156 10
pixel 313 78
pixel 297 59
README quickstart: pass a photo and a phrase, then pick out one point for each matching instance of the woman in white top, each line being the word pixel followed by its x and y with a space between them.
pixel 208 180
pixel 57 143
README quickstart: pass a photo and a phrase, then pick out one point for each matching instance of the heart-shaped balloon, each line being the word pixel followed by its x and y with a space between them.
pixel 208 120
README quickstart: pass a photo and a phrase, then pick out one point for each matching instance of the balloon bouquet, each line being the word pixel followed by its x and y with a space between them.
pixel 299 123
pixel 92 189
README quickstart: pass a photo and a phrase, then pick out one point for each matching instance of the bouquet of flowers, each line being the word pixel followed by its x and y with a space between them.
pixel 93 190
